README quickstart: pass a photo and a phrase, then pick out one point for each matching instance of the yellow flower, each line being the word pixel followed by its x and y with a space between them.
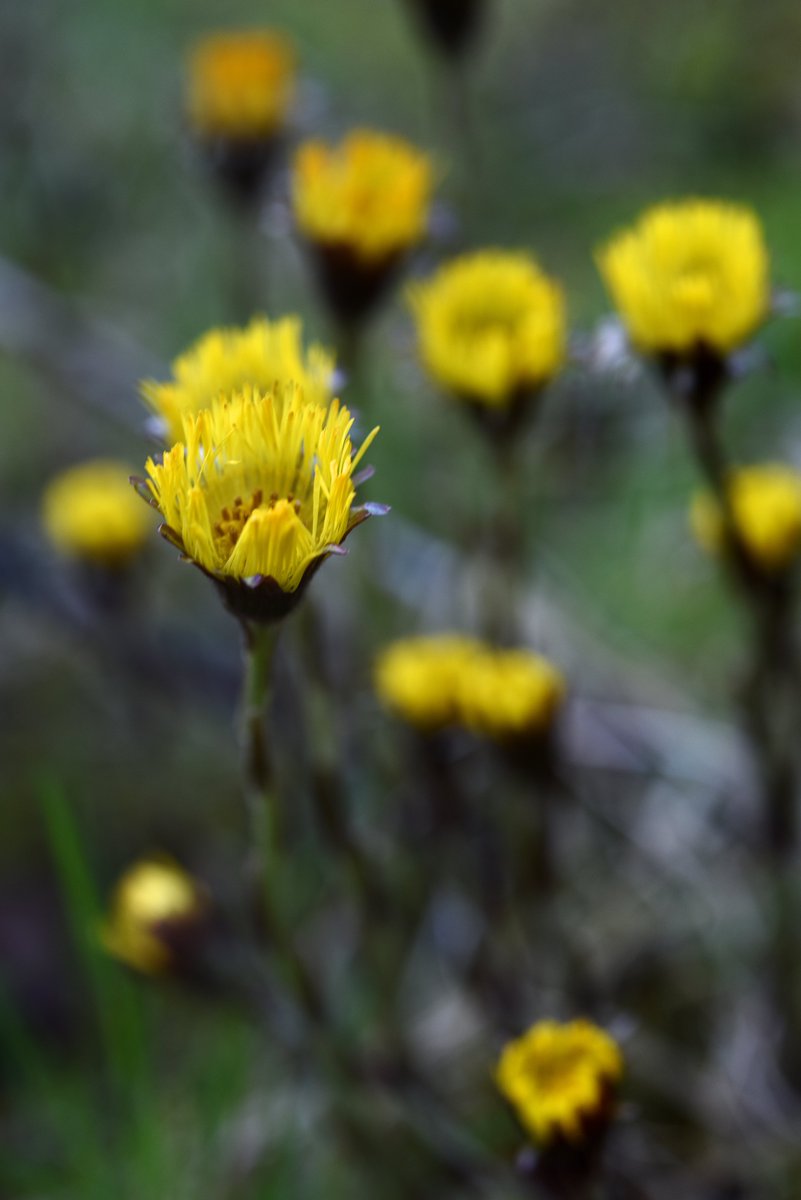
pixel 509 694
pixel 690 275
pixel 259 492
pixel 766 507
pixel 259 355
pixel 560 1079
pixel 418 678
pixel 370 194
pixel 491 326
pixel 91 513
pixel 153 904
pixel 240 85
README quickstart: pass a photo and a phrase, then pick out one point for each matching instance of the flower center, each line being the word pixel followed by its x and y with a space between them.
pixel 235 516
pixel 556 1071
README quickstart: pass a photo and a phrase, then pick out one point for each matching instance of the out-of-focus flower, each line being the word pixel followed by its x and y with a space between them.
pixel 155 908
pixel 418 678
pixel 259 493
pixel 259 355
pixel 360 206
pixel 561 1079
pixel 491 329
pixel 766 508
pixel 451 25
pixel 689 277
pixel 90 513
pixel 509 695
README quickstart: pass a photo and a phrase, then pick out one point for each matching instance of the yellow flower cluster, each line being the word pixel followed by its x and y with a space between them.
pixel 490 326
pixel 240 85
pixel 261 487
pixel 371 194
pixel 418 678
pixel 689 274
pixel 90 513
pixel 766 508
pixel 260 355
pixel 152 899
pixel 559 1077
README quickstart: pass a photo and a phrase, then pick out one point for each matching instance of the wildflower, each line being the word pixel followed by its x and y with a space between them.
pixel 561 1079
pixel 418 678
pixel 491 329
pixel 156 908
pixel 360 206
pixel 766 510
pixel 90 514
pixel 690 277
pixel 451 25
pixel 260 355
pixel 509 695
pixel 259 493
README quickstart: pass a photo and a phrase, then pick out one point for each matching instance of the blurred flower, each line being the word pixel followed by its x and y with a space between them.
pixel 259 355
pixel 451 25
pixel 155 907
pixel 418 678
pixel 689 276
pixel 491 328
pixel 240 84
pixel 509 694
pixel 90 513
pixel 766 509
pixel 361 206
pixel 560 1079
pixel 259 493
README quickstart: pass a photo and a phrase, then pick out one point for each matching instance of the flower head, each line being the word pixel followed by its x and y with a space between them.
pixel 154 904
pixel 766 508
pixel 90 513
pixel 688 276
pixel 560 1079
pixel 240 85
pixel 418 678
pixel 491 327
pixel 509 694
pixel 261 355
pixel 259 492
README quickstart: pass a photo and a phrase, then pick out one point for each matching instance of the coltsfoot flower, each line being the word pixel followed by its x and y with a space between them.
pixel 561 1079
pixel 509 695
pixel 90 513
pixel 451 25
pixel 690 277
pixel 155 909
pixel 417 678
pixel 766 508
pixel 491 329
pixel 240 84
pixel 259 493
pixel 259 355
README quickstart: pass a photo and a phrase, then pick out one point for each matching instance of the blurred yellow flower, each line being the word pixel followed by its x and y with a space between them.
pixel 689 275
pixel 490 326
pixel 261 490
pixel 153 903
pixel 90 513
pixel 240 85
pixel 560 1079
pixel 418 678
pixel 508 694
pixel 369 194
pixel 259 355
pixel 766 507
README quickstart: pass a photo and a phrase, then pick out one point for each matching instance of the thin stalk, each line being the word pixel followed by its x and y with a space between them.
pixel 500 618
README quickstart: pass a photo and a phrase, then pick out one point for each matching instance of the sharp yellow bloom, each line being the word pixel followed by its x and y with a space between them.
pixel 766 507
pixel 240 85
pixel 491 326
pixel 369 194
pixel 260 355
pixel 261 488
pixel 90 513
pixel 689 275
pixel 418 678
pixel 560 1079
pixel 509 694
pixel 152 904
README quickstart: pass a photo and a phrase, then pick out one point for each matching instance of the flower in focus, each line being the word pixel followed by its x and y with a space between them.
pixel 260 355
pixel 259 492
pixel 491 328
pixel 509 694
pixel 689 277
pixel 450 24
pixel 240 85
pixel 90 513
pixel 418 678
pixel 766 509
pixel 155 907
pixel 561 1079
